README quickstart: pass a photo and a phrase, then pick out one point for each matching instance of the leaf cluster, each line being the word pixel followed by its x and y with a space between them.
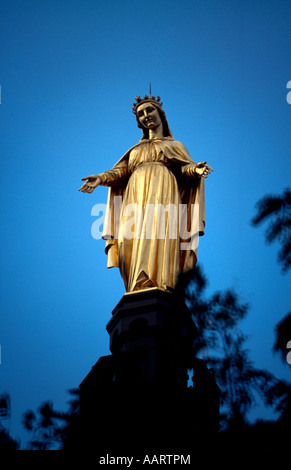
pixel 222 345
pixel 51 429
pixel 277 208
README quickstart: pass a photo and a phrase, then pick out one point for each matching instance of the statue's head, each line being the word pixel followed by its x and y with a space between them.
pixel 156 103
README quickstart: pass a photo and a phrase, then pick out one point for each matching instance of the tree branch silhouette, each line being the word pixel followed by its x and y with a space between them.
pixel 277 207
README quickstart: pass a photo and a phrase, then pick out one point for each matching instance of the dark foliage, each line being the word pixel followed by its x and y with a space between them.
pixel 221 343
pixel 53 429
pixel 6 441
pixel 277 208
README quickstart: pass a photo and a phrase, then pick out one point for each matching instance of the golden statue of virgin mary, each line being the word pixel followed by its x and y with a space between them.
pixel 160 210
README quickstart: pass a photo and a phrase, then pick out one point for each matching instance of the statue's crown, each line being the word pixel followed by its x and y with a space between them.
pixel 146 99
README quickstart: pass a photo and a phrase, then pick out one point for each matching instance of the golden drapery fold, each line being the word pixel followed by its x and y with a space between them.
pixel 154 173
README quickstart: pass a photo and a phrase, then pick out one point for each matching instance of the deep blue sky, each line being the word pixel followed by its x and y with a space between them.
pixel 69 73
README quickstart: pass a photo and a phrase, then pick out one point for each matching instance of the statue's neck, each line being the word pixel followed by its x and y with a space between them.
pixel 156 133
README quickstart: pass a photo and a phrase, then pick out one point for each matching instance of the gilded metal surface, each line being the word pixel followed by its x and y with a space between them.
pixel 154 180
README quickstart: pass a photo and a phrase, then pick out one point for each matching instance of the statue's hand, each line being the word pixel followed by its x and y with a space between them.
pixel 202 169
pixel 91 182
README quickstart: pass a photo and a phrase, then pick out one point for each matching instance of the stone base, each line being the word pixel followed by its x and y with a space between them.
pixel 156 333
pixel 138 398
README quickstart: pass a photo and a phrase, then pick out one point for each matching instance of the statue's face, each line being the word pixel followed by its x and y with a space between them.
pixel 148 116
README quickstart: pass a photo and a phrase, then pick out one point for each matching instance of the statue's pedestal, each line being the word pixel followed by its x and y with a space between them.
pixel 157 332
pixel 138 398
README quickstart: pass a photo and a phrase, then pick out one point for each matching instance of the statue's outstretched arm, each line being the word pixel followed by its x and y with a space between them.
pixel 196 170
pixel 112 177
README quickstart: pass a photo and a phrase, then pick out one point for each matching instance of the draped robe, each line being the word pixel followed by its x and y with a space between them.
pixel 153 172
